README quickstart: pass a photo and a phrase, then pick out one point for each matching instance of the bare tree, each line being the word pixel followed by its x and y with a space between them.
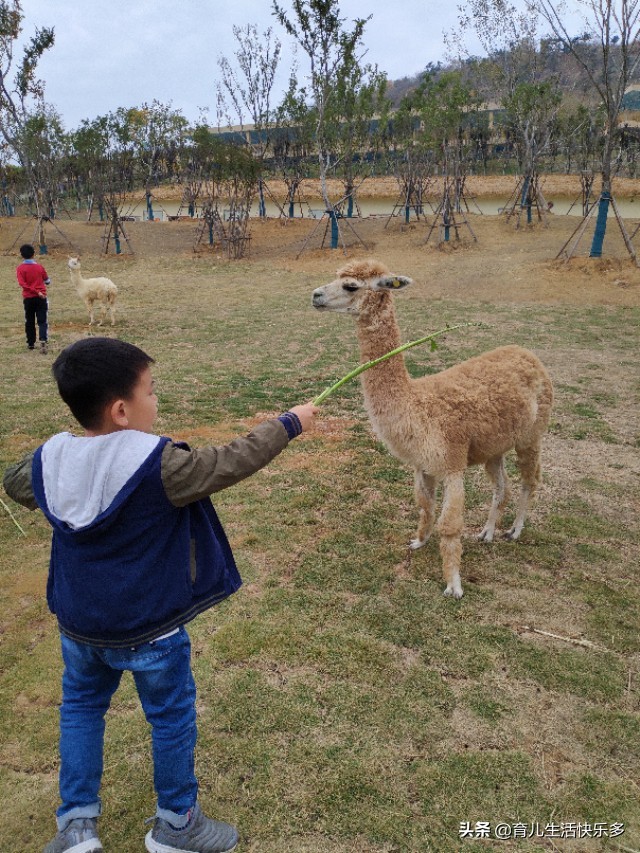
pixel 150 134
pixel 514 70
pixel 332 51
pixel 249 87
pixel 508 36
pixel 357 127
pixel 293 140
pixel 610 59
pixel 21 92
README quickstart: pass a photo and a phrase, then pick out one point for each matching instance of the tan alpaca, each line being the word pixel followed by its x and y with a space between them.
pixel 470 414
pixel 92 290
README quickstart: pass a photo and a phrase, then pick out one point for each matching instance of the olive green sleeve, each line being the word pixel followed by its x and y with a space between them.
pixel 189 475
pixel 17 483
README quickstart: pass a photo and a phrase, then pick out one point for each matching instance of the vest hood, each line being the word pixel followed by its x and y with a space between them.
pixel 82 476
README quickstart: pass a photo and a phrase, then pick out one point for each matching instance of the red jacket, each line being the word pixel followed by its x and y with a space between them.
pixel 32 278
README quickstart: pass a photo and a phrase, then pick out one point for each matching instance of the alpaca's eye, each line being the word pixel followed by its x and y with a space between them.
pixel 350 287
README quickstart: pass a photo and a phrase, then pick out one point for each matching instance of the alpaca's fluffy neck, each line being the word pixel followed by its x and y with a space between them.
pixel 81 284
pixel 388 383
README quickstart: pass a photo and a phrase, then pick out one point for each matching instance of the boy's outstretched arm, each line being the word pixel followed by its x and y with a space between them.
pixel 17 483
pixel 189 475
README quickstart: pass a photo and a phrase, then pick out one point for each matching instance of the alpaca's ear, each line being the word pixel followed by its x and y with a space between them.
pixel 393 282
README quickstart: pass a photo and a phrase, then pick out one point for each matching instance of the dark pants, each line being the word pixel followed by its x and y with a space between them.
pixel 35 308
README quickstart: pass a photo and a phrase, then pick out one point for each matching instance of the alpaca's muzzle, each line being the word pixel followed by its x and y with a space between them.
pixel 318 299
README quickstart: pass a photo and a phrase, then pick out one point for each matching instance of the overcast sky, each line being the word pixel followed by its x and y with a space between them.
pixel 122 53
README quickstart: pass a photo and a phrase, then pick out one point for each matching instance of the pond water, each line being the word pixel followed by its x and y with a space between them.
pixel 381 207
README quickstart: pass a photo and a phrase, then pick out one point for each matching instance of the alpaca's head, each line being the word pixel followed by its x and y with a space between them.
pixel 74 263
pixel 357 285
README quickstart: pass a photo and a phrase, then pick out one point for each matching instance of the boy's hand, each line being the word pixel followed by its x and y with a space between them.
pixel 306 413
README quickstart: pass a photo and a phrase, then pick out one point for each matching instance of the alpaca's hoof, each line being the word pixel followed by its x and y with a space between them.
pixel 454 587
pixel 417 543
pixel 512 535
pixel 454 590
pixel 486 535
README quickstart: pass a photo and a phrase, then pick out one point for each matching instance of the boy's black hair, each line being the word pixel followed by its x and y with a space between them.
pixel 94 372
pixel 27 251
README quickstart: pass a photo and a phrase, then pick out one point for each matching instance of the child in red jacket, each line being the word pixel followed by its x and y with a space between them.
pixel 33 279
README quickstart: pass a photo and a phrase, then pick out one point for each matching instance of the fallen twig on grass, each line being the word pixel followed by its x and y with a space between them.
pixel 576 641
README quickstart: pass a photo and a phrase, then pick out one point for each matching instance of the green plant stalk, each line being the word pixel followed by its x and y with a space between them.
pixel 362 367
pixel 12 517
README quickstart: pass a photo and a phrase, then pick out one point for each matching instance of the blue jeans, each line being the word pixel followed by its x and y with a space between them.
pixel 167 691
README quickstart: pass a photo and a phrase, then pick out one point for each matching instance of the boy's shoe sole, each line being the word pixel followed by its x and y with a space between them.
pixel 154 846
pixel 91 846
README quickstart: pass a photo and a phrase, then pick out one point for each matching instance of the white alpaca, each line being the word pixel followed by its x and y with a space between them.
pixel 470 414
pixel 92 290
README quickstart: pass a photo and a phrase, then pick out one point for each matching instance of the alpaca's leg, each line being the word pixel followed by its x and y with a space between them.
pixel 106 310
pixel 528 459
pixel 501 492
pixel 425 493
pixel 450 526
pixel 112 312
pixel 89 304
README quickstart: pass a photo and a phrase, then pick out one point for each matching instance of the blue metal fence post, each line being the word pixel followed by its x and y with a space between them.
pixel 601 226
pixel 334 228
pixel 525 201
pixel 6 203
pixel 42 239
pixel 116 236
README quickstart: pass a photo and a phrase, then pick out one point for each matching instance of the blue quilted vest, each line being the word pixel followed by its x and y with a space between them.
pixel 142 568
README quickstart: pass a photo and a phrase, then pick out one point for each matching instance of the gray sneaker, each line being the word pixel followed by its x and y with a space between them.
pixel 79 836
pixel 200 835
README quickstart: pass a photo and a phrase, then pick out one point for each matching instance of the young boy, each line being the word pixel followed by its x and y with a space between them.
pixel 137 551
pixel 33 279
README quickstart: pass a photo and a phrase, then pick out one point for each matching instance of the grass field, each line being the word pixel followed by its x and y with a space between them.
pixel 344 703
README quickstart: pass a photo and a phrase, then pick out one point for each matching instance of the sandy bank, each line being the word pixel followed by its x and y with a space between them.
pixel 497 186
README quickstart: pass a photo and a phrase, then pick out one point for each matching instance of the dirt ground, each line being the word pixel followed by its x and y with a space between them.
pixel 492 261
